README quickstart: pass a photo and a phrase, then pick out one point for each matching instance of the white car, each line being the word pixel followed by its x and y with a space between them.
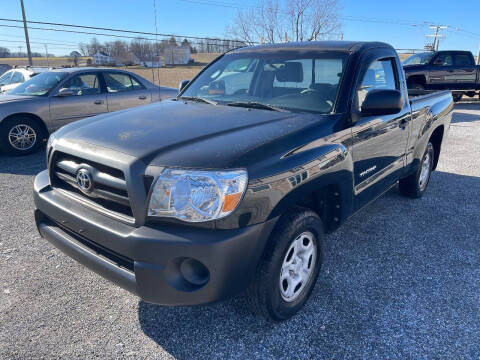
pixel 14 77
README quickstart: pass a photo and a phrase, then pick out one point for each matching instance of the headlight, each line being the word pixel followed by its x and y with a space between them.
pixel 197 196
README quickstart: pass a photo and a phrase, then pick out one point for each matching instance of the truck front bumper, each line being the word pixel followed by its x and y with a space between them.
pixel 173 265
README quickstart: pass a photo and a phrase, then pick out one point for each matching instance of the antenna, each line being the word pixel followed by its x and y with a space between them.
pixel 156 49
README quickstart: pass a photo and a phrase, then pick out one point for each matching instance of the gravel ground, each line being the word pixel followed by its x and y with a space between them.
pixel 401 280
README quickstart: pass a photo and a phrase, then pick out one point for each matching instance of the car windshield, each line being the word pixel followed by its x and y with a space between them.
pixel 419 59
pixel 39 85
pixel 282 81
pixel 5 78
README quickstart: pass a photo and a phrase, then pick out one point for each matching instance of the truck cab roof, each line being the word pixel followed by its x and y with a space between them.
pixel 347 46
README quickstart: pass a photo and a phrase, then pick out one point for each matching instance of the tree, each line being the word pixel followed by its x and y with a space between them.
pixel 94 47
pixel 276 21
pixel 4 52
pixel 172 41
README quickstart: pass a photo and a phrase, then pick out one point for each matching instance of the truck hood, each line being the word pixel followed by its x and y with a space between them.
pixel 187 134
pixel 11 98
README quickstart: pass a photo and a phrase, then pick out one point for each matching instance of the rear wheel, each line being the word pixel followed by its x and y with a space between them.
pixel 289 268
pixel 457 97
pixel 416 184
pixel 20 135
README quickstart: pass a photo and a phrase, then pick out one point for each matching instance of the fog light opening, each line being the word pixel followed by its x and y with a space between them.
pixel 194 272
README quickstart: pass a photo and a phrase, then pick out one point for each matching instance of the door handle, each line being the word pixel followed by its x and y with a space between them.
pixel 98 102
pixel 450 71
pixel 142 97
pixel 403 124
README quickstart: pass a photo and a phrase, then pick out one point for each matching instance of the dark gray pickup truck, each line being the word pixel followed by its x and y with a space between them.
pixel 231 186
pixel 443 70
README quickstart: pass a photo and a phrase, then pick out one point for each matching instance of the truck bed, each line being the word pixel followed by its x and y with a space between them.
pixel 428 98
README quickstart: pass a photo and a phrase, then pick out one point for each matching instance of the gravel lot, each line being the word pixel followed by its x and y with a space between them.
pixel 401 280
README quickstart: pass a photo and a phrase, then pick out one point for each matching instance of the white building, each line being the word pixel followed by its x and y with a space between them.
pixel 101 58
pixel 176 55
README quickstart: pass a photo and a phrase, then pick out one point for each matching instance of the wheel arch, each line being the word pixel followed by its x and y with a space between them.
pixel 436 139
pixel 417 79
pixel 332 201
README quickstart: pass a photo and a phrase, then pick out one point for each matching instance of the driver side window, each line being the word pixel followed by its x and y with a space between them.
pixel 84 84
pixel 444 59
pixel 379 75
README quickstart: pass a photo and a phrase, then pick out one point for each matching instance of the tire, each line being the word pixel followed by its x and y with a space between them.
pixel 25 126
pixel 416 86
pixel 457 97
pixel 416 184
pixel 268 295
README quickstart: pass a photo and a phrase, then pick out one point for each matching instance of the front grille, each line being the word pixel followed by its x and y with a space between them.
pixel 108 190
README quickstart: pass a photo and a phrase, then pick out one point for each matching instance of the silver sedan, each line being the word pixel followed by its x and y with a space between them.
pixel 30 112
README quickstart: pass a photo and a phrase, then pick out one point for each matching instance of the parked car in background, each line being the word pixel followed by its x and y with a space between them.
pixel 31 111
pixel 14 77
pixel 443 70
pixel 232 185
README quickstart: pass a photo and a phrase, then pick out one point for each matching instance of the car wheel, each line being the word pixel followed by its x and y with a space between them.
pixel 416 184
pixel 416 86
pixel 289 268
pixel 457 97
pixel 20 135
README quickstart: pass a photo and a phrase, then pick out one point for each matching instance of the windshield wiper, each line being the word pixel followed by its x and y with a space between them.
pixel 256 105
pixel 199 99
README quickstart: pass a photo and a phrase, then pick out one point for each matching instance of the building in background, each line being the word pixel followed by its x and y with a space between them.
pixel 176 55
pixel 100 58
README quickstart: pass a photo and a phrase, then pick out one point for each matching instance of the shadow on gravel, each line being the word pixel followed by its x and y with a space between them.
pixel 462 117
pixel 400 280
pixel 23 165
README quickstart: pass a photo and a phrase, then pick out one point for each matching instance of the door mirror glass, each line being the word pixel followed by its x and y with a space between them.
pixel 183 83
pixel 382 102
pixel 65 92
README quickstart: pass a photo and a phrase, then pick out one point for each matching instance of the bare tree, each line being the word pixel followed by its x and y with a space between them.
pixel 274 21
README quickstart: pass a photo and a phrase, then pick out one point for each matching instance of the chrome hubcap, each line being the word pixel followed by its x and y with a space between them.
pixel 298 266
pixel 425 172
pixel 22 137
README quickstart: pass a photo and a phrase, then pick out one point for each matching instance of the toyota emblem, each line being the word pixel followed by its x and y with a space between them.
pixel 84 181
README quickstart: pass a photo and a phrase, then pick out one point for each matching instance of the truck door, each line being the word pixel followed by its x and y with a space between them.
pixel 466 71
pixel 442 74
pixel 379 142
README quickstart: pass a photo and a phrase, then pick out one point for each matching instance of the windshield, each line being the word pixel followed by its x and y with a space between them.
pixel 292 81
pixel 39 85
pixel 419 59
pixel 5 78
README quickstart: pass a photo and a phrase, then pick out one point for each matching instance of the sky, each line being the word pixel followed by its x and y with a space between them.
pixel 403 24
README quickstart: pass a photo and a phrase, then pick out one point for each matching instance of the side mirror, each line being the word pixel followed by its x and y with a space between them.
pixel 182 85
pixel 65 92
pixel 382 102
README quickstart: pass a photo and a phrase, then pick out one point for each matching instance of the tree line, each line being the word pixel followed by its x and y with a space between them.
pixel 147 50
pixel 6 53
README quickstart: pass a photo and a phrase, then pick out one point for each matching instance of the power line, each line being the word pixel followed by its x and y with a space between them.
pixel 106 29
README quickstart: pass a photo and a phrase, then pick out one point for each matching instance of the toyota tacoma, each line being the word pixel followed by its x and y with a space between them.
pixel 231 186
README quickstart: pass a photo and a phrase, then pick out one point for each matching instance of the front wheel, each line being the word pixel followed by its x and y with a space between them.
pixel 20 135
pixel 290 266
pixel 416 184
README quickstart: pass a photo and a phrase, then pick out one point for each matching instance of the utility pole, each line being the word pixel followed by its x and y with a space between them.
pixel 437 36
pixel 26 34
pixel 46 53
